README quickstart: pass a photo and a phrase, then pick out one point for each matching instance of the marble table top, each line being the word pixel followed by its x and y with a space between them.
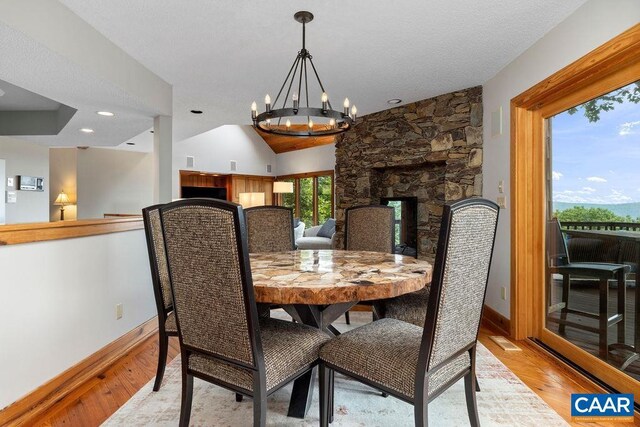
pixel 319 277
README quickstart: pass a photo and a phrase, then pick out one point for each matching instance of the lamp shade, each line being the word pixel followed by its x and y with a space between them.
pixel 282 187
pixel 62 199
pixel 249 200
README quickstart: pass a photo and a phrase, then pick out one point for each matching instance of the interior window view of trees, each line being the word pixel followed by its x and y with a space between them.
pixel 312 197
pixel 593 232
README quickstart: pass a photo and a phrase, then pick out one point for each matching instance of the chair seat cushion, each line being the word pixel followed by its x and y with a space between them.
pixel 313 243
pixel 385 353
pixel 410 308
pixel 591 269
pixel 170 325
pixel 288 348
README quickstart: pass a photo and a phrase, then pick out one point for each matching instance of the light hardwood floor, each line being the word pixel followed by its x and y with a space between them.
pixel 97 400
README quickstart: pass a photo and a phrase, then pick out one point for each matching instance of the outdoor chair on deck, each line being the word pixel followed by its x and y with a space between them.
pixel 559 263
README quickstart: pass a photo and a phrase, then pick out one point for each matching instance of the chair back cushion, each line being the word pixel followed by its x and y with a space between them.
pixel 460 278
pixel 211 278
pixel 557 253
pixel 157 258
pixel 270 229
pixel 370 228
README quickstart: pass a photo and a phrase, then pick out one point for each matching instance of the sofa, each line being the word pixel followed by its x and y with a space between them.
pixel 311 240
pixel 298 230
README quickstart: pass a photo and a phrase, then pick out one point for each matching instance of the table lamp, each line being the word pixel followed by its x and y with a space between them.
pixel 62 200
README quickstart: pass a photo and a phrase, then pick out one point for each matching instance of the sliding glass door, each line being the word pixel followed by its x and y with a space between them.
pixel 592 251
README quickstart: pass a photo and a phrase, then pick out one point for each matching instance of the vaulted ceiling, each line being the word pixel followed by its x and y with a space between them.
pixel 222 55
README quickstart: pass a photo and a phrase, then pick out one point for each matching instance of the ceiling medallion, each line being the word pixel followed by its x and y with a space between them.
pixel 295 120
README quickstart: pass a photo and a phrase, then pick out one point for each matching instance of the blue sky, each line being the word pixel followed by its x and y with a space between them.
pixel 597 162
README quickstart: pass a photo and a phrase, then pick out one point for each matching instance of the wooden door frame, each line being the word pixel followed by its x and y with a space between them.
pixel 608 67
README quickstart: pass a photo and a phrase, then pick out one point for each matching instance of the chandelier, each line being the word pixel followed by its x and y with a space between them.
pixel 296 120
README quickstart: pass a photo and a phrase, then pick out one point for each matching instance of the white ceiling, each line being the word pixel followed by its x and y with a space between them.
pixel 221 55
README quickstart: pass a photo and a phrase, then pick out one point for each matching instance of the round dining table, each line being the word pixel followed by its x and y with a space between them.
pixel 316 287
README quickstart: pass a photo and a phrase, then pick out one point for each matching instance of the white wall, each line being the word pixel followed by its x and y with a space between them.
pixel 63 176
pixel 596 22
pixel 213 151
pixel 60 304
pixel 113 181
pixel 308 160
pixel 26 158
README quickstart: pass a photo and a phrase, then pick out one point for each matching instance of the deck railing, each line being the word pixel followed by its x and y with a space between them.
pixel 594 225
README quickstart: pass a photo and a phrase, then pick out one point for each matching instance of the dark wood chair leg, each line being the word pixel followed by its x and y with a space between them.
pixel 420 412
pixel 565 299
pixel 324 382
pixel 346 318
pixel 163 346
pixel 239 397
pixel 332 382
pixel 470 392
pixel 603 319
pixel 187 395
pixel 259 402
pixel 622 295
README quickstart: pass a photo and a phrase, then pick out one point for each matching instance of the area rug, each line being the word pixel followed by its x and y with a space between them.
pixel 503 401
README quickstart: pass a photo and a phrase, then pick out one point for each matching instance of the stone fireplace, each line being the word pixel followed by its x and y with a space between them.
pixel 429 151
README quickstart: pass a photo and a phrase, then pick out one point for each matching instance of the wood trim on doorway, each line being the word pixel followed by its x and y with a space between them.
pixel 610 66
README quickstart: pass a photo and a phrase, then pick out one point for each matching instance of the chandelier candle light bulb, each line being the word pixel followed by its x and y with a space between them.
pixel 338 121
pixel 325 101
pixel 267 102
pixel 354 111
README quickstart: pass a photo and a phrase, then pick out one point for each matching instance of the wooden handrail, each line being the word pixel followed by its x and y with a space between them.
pixel 43 231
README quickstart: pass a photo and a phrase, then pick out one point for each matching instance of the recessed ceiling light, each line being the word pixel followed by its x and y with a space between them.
pixel 394 101
pixel 105 113
pixel 196 111
pixel 86 130
pixel 131 143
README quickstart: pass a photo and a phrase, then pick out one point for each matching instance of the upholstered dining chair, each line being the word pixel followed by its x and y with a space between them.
pixel 161 287
pixel 369 228
pixel 270 229
pixel 417 364
pixel 222 339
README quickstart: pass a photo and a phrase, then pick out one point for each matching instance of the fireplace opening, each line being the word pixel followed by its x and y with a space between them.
pixel 406 224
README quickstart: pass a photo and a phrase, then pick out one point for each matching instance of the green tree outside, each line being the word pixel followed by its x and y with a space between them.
pixel 593 108
pixel 582 214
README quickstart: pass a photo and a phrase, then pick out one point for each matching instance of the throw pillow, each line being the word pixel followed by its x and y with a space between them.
pixel 327 229
pixel 296 222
